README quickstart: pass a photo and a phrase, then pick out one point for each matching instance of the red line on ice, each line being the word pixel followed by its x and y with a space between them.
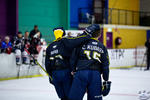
pixel 122 94
pixel 39 90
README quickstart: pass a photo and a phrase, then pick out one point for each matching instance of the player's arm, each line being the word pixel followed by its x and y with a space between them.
pixel 47 61
pixel 74 59
pixel 105 65
pixel 105 72
pixel 75 42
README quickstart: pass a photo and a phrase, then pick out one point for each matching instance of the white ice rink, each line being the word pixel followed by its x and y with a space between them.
pixel 126 85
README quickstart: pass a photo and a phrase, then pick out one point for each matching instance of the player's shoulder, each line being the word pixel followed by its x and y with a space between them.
pixel 96 42
pixel 50 44
pixel 56 42
pixel 80 36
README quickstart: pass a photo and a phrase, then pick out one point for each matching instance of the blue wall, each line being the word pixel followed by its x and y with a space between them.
pixel 148 34
pixel 74 8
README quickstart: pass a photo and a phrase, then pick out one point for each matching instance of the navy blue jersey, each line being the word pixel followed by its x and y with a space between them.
pixel 58 52
pixel 91 55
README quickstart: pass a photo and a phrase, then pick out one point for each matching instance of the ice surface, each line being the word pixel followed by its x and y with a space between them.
pixel 126 85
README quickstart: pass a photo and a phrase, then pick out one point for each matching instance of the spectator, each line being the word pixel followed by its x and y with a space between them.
pixel 35 32
pixel 6 45
pixel 18 47
pixel 147 44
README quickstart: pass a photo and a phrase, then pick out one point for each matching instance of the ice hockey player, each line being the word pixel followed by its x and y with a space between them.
pixel 35 44
pixel 18 47
pixel 57 61
pixel 90 60
pixel 26 45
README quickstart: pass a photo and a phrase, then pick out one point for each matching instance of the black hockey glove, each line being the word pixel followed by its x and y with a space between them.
pixel 106 88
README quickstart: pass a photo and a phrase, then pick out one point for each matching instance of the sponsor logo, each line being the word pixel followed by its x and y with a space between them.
pixel 97 96
pixel 95 43
pixel 54 46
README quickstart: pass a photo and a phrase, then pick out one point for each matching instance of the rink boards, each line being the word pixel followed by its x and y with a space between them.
pixel 119 58
pixel 9 69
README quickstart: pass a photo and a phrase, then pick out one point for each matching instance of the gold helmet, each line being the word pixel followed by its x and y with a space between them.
pixel 59 32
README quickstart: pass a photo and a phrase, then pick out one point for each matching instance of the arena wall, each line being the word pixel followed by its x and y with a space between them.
pixel 132 36
pixel 126 6
pixel 46 14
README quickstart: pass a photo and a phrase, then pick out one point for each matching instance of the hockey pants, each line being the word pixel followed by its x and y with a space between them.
pixel 86 80
pixel 62 81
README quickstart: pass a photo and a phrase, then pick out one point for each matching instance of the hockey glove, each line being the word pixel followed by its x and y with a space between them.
pixel 106 88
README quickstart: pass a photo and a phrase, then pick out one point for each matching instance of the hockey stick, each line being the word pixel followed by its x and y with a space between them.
pixel 38 63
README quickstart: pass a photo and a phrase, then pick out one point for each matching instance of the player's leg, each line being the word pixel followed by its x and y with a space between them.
pixel 67 82
pixel 78 87
pixel 18 56
pixel 59 90
pixel 58 76
pixel 58 85
pixel 31 61
pixel 95 86
pixel 25 58
pixel 35 57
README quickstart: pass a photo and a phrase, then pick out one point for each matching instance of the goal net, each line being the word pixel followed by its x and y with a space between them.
pixel 140 56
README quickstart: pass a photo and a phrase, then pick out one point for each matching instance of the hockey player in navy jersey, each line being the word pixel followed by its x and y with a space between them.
pixel 18 47
pixel 90 60
pixel 57 61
